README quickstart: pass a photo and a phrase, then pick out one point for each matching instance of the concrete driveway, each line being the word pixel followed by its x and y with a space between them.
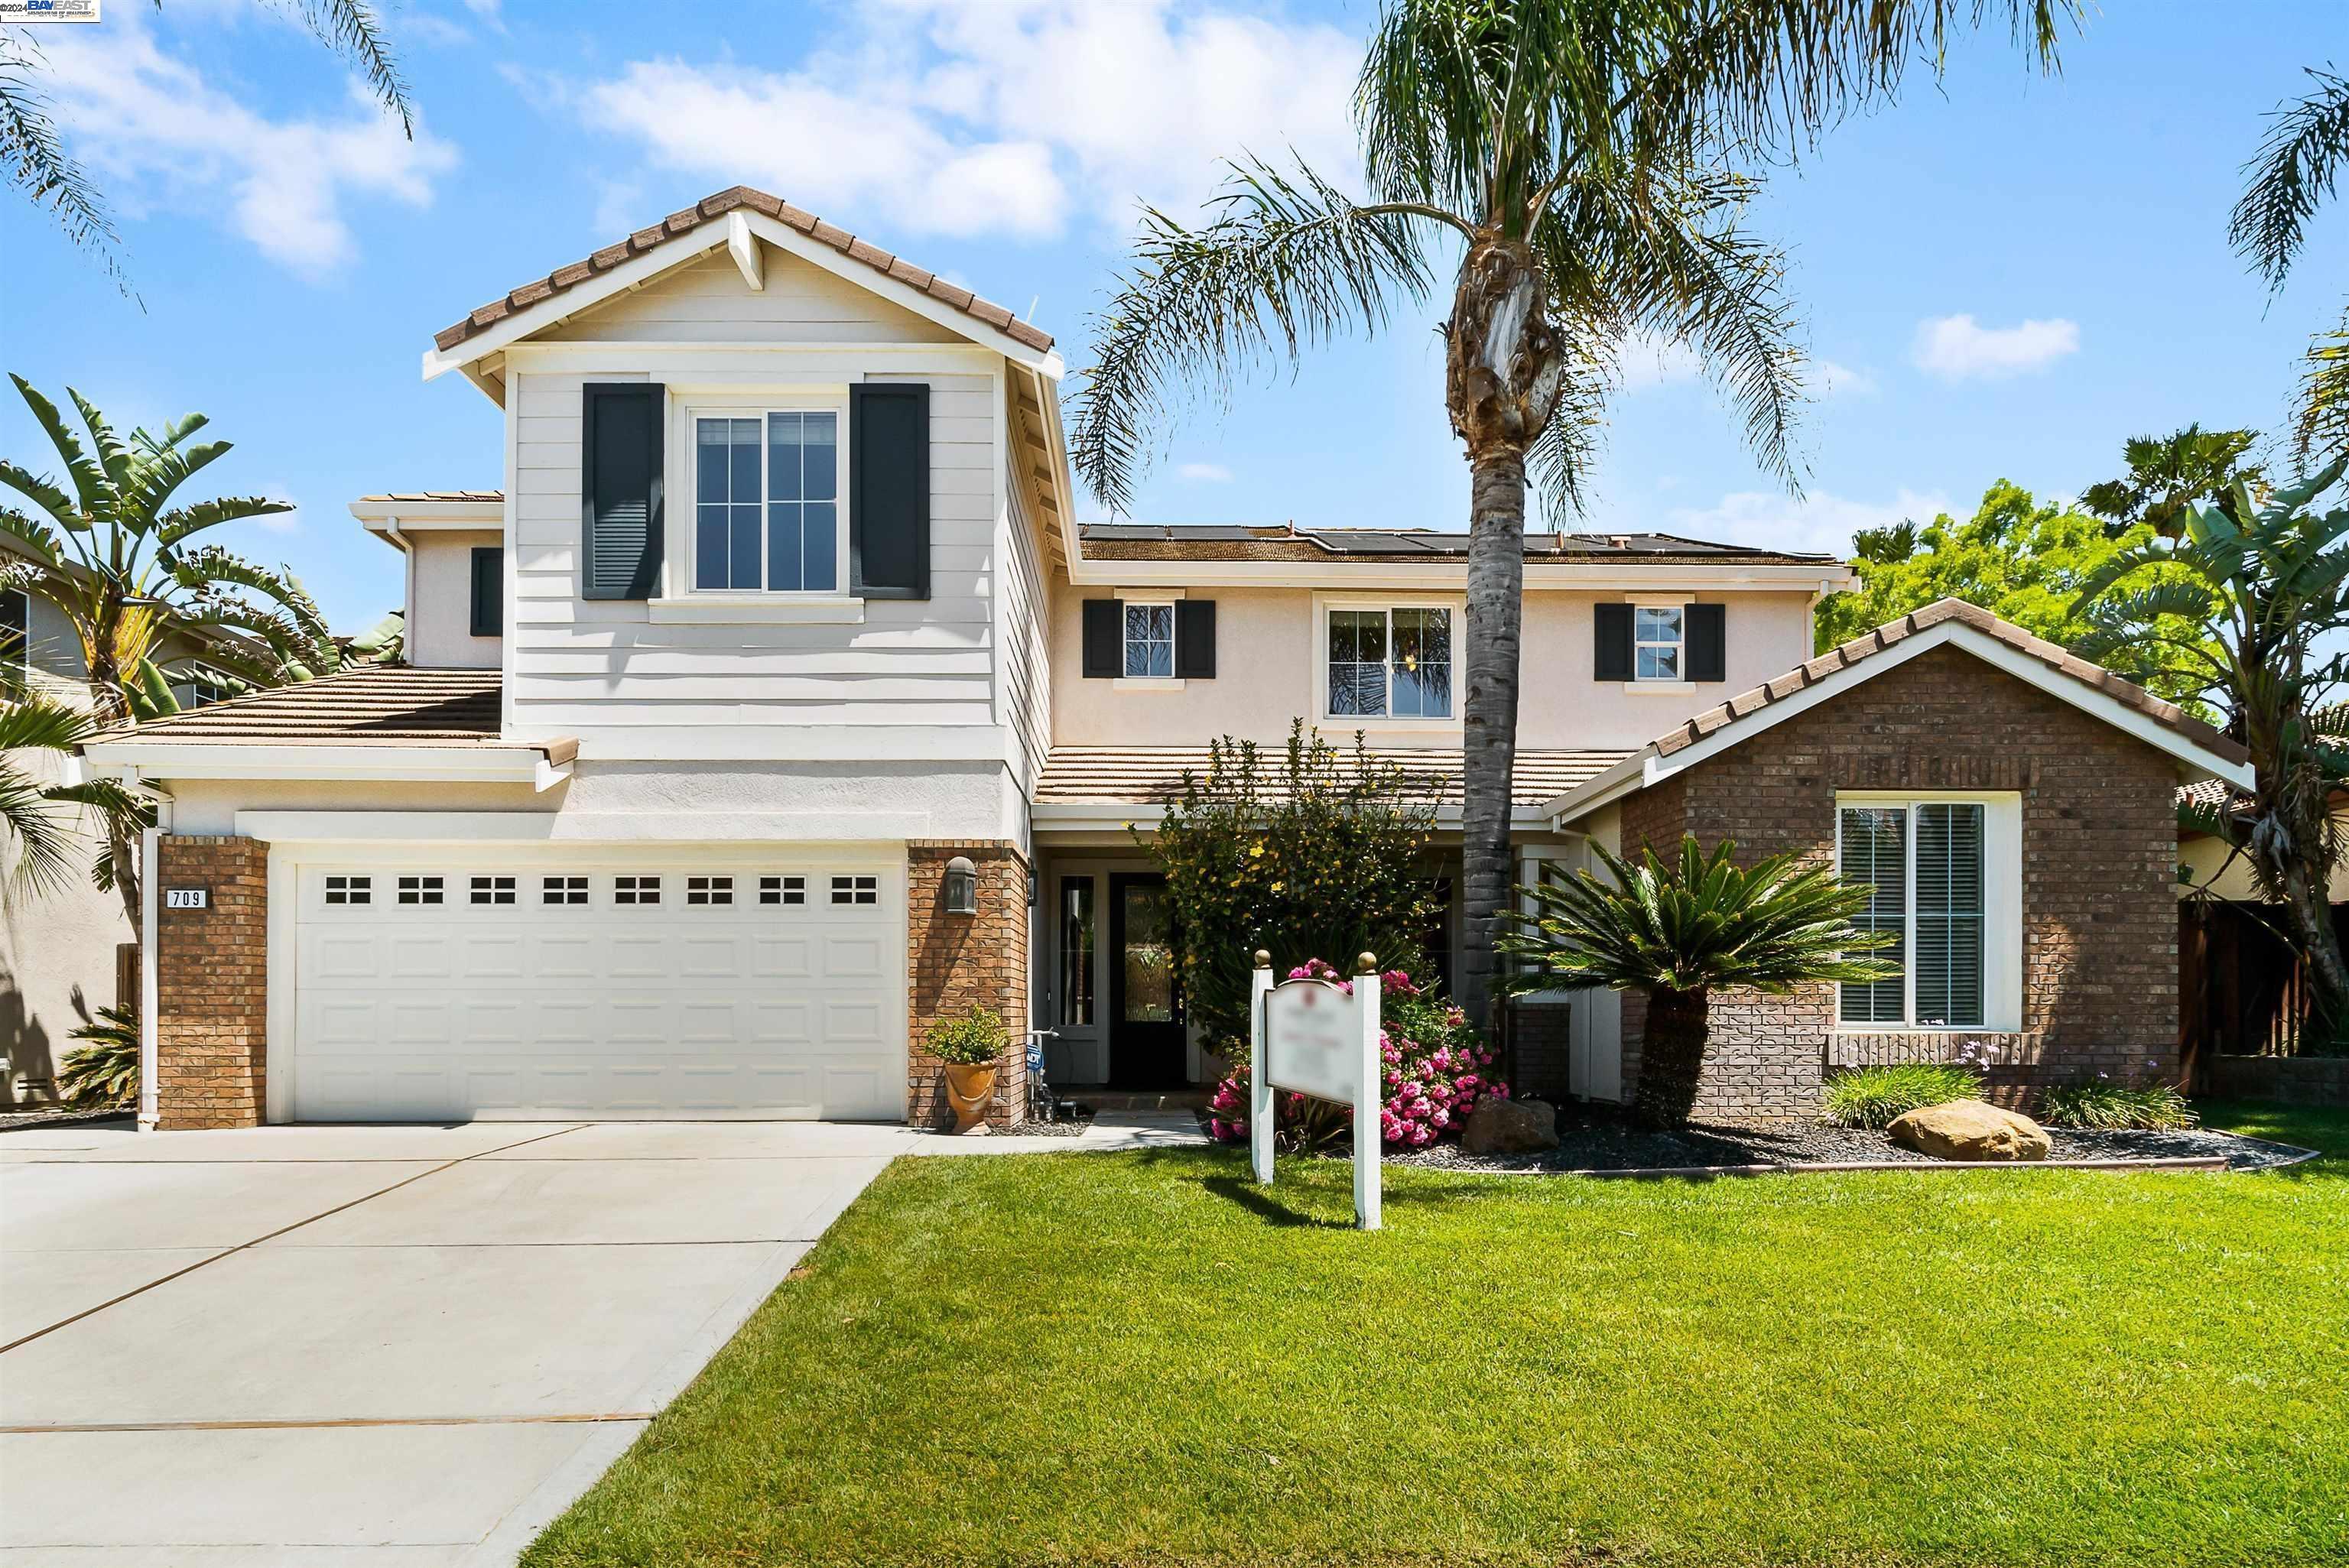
pixel 405 1346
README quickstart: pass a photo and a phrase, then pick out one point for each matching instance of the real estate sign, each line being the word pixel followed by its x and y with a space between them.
pixel 1322 1038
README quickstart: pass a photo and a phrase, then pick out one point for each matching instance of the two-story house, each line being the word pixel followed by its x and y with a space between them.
pixel 777 704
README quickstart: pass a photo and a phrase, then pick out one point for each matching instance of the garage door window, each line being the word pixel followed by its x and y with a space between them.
pixel 782 890
pixel 857 890
pixel 493 889
pixel 636 889
pixel 420 889
pixel 563 890
pixel 351 890
pixel 716 891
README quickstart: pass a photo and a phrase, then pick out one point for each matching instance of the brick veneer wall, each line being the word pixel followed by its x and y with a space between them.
pixel 211 1023
pixel 2099 843
pixel 1539 1031
pixel 956 962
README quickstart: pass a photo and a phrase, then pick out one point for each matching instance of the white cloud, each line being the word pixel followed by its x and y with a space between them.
pixel 434 32
pixel 1820 522
pixel 149 120
pixel 1834 380
pixel 280 522
pixel 1647 359
pixel 1204 473
pixel 1955 347
pixel 1013 117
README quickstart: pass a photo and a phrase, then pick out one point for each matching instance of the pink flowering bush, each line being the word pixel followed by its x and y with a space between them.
pixel 1436 1072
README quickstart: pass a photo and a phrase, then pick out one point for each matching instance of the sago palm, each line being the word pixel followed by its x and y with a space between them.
pixel 111 551
pixel 2249 598
pixel 1677 932
pixel 1570 165
pixel 2292 174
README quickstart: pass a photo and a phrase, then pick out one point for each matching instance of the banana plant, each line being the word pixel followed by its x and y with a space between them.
pixel 109 548
pixel 2249 598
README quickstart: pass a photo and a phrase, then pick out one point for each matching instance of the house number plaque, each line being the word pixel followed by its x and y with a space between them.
pixel 186 897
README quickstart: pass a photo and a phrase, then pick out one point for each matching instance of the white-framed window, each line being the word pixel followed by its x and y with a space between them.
pixel 351 890
pixel 420 889
pixel 636 889
pixel 1659 642
pixel 1387 661
pixel 1945 873
pixel 857 890
pixel 493 889
pixel 563 890
pixel 1149 640
pixel 782 890
pixel 769 507
pixel 709 891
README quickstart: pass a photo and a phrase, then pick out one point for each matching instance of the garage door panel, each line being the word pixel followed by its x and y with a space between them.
pixel 567 957
pixel 852 957
pixel 491 956
pixel 784 957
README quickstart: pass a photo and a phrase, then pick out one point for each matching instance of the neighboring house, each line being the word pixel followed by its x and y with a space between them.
pixel 777 705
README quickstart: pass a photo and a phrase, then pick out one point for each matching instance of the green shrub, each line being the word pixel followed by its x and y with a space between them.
pixel 105 1071
pixel 1874 1096
pixel 2100 1102
pixel 968 1041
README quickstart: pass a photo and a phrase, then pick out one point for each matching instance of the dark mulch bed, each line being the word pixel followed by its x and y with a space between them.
pixel 1599 1143
pixel 58 1116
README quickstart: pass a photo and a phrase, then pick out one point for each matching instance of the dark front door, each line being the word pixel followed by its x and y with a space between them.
pixel 1146 1006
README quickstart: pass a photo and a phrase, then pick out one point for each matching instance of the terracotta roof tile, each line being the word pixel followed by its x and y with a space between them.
pixel 1149 774
pixel 717 206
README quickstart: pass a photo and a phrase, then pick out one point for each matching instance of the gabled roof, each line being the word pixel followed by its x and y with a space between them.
pixel 710 208
pixel 2052 667
pixel 1286 542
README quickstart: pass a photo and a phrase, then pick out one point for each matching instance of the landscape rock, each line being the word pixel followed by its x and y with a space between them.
pixel 1970 1129
pixel 1510 1127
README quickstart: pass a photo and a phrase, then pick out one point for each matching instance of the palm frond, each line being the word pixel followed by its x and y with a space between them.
pixel 40 838
pixel 2321 425
pixel 90 483
pixel 1288 260
pixel 2291 175
pixel 36 163
pixel 353 30
pixel 179 523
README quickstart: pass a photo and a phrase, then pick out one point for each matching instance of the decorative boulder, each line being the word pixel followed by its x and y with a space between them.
pixel 1970 1129
pixel 1510 1127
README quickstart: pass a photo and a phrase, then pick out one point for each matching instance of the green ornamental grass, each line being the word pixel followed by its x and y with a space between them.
pixel 2103 1104
pixel 1874 1097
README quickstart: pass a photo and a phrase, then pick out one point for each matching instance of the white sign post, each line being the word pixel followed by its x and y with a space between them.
pixel 1311 1037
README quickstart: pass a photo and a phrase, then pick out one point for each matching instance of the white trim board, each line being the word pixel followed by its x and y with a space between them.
pixel 800 829
pixel 187 759
pixel 1645 768
pixel 1438 576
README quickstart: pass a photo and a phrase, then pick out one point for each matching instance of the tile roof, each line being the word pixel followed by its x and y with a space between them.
pixel 1218 542
pixel 371 705
pixel 1893 632
pixel 714 206
pixel 486 497
pixel 1152 774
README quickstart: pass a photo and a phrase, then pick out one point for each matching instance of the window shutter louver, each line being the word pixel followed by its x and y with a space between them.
pixel 889 490
pixel 1610 656
pixel 488 591
pixel 1708 641
pixel 1195 639
pixel 1104 640
pixel 620 489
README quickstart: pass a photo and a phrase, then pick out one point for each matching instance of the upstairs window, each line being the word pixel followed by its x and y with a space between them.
pixel 1658 637
pixel 1149 641
pixel 767 512
pixel 1390 663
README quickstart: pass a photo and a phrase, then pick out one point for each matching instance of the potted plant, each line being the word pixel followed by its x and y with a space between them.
pixel 971 1047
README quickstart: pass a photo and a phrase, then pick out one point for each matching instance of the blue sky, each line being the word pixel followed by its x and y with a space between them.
pixel 2007 274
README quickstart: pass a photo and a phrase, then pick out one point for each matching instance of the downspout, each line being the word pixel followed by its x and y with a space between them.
pixel 151 898
pixel 406 589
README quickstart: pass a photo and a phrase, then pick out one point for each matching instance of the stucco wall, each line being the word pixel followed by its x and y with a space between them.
pixel 1268 673
pixel 440 618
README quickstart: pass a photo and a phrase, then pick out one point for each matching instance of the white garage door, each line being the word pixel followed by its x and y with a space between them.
pixel 430 991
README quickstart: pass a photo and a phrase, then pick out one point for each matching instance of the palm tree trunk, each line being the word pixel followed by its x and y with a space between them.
pixel 1672 1055
pixel 1496 573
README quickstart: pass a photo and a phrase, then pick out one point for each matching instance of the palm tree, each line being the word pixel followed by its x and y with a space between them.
pixel 2166 474
pixel 34 157
pixel 2292 174
pixel 39 837
pixel 2243 597
pixel 1570 161
pixel 114 555
pixel 1679 933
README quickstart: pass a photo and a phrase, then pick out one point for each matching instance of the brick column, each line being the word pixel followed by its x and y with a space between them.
pixel 957 962
pixel 211 1025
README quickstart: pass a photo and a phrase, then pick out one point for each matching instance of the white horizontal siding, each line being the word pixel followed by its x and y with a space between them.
pixel 1026 644
pixel 707 302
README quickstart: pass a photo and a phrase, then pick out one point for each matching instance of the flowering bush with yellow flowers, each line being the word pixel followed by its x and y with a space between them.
pixel 1302 852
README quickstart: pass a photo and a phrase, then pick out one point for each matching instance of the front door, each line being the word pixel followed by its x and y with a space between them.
pixel 1145 1041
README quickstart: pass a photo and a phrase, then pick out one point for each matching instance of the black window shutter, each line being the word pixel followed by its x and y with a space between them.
pixel 1610 654
pixel 488 591
pixel 1195 639
pixel 1708 642
pixel 1105 657
pixel 620 489
pixel 889 490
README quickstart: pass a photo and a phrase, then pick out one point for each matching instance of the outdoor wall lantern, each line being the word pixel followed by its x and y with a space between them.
pixel 962 886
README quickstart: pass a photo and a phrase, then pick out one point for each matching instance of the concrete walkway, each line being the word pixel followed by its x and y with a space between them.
pixel 401 1346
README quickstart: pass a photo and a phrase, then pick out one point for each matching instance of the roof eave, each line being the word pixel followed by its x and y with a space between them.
pixel 541 765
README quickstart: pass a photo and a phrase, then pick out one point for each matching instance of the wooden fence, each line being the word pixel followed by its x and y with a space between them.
pixel 2240 990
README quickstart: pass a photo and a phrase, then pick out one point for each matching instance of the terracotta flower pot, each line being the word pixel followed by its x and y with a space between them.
pixel 970 1086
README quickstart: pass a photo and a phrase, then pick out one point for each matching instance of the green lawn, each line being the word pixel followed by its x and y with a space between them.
pixel 1142 1359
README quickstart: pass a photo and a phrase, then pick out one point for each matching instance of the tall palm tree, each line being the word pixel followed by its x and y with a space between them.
pixel 1573 162
pixel 1678 932
pixel 33 156
pixel 2293 173
pixel 115 555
